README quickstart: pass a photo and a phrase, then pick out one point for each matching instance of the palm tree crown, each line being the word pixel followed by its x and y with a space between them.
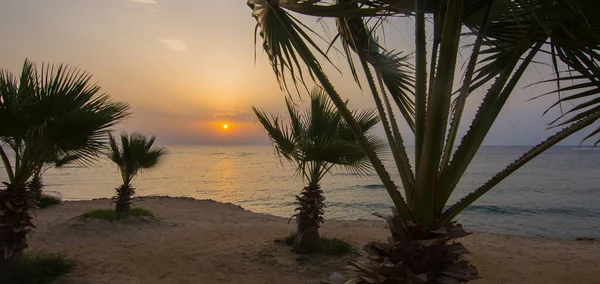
pixel 51 114
pixel 319 139
pixel 137 153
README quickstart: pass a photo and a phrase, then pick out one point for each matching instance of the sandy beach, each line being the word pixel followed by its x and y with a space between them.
pixel 203 241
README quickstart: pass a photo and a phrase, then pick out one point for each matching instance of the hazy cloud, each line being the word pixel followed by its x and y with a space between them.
pixel 239 116
pixel 144 1
pixel 174 44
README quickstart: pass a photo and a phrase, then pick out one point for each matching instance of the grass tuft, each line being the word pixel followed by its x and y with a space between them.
pixel 334 247
pixel 112 215
pixel 41 268
pixel 47 200
pixel 289 239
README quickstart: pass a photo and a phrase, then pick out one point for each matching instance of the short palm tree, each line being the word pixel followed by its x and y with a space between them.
pixel 135 155
pixel 314 142
pixel 50 110
pixel 36 185
pixel 505 38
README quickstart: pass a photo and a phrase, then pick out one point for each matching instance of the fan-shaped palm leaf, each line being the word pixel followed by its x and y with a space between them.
pixel 136 154
pixel 320 134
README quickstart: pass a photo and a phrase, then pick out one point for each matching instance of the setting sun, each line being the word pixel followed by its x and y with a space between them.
pixel 225 126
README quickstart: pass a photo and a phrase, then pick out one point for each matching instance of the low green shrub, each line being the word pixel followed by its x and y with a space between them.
pixel 41 268
pixel 112 215
pixel 47 200
pixel 289 239
pixel 336 246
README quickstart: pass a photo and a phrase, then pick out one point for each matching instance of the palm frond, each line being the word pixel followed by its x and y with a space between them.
pixel 136 154
pixel 354 8
pixel 276 26
pixel 574 127
pixel 438 108
pixel 54 112
pixel 320 136
pixel 283 138
pixel 584 92
pixel 394 69
pixel 62 160
pixel 461 99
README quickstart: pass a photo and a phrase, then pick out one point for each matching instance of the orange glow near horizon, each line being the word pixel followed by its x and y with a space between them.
pixel 225 126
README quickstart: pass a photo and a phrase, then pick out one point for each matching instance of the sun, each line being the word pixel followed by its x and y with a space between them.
pixel 225 126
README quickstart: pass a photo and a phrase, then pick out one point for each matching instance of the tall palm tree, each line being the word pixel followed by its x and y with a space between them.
pixel 53 109
pixel 136 154
pixel 505 38
pixel 314 142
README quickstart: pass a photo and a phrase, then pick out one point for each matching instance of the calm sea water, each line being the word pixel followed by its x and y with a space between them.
pixel 557 195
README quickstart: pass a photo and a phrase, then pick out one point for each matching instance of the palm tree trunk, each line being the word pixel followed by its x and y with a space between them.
pixel 309 219
pixel 15 223
pixel 123 197
pixel 416 255
pixel 35 186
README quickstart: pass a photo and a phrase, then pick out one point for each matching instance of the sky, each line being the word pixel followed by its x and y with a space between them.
pixel 186 67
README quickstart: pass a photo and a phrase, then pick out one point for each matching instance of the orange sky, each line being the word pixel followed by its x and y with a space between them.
pixel 188 66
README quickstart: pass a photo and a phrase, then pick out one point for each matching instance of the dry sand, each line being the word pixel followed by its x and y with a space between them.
pixel 210 242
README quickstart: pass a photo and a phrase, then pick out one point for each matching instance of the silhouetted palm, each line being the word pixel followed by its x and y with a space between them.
pixel 135 155
pixel 315 141
pixel 506 37
pixel 42 113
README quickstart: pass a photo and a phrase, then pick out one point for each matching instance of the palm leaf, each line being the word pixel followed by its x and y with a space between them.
pixel 136 154
pixel 55 112
pixel 455 209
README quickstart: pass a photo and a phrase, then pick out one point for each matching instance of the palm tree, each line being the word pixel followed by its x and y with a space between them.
pixel 314 142
pixel 54 109
pixel 36 185
pixel 136 154
pixel 505 38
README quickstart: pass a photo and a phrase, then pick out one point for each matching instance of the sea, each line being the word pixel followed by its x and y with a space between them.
pixel 557 195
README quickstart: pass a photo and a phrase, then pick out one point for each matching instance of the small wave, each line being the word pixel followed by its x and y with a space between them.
pixel 53 193
pixel 373 186
pixel 586 148
pixel 514 211
pixel 362 205
pixel 244 154
pixel 353 174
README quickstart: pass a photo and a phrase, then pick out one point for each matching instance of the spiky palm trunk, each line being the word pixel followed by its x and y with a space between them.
pixel 15 224
pixel 35 187
pixel 417 256
pixel 309 219
pixel 123 198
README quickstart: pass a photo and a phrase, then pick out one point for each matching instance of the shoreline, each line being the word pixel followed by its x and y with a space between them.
pixel 213 242
pixel 579 239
